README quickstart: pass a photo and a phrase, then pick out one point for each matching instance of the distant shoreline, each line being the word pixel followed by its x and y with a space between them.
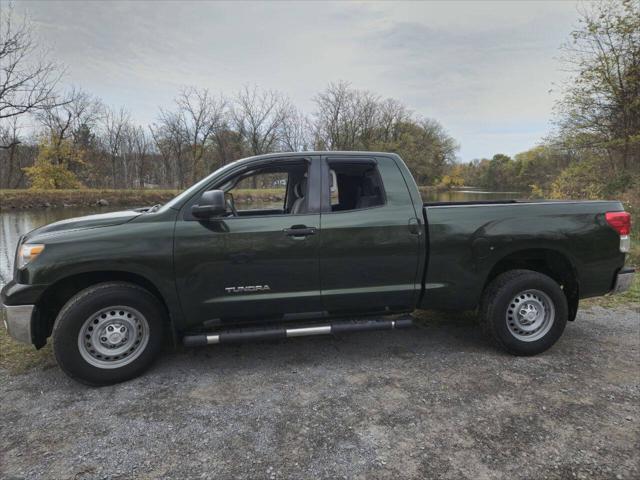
pixel 26 199
pixel 38 199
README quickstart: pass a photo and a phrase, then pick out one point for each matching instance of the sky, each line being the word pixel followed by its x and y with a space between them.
pixel 488 71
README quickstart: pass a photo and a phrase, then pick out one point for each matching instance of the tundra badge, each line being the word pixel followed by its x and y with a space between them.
pixel 248 288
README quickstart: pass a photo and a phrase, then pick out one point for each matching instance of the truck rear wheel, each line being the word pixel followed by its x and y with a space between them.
pixel 524 312
pixel 108 333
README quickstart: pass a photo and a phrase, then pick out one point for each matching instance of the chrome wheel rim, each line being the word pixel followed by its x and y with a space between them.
pixel 530 315
pixel 113 337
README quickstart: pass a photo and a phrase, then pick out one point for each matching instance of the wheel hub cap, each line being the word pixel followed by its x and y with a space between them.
pixel 113 337
pixel 530 315
pixel 115 333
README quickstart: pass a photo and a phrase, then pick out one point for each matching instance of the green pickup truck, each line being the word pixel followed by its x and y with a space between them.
pixel 351 246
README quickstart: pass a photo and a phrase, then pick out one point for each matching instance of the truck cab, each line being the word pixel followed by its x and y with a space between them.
pixel 341 240
pixel 343 243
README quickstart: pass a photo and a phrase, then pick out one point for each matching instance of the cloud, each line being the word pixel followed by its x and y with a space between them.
pixel 483 69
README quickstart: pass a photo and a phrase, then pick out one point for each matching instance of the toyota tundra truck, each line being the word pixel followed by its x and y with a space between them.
pixel 351 246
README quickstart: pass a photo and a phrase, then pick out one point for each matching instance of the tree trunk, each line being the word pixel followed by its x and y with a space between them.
pixel 113 170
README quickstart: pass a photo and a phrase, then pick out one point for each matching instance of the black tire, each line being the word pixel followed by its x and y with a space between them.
pixel 84 305
pixel 497 303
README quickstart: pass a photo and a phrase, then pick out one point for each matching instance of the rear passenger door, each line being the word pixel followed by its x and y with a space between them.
pixel 368 254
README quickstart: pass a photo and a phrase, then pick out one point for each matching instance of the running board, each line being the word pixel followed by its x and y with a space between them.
pixel 232 336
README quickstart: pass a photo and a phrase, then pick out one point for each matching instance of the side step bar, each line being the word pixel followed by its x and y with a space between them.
pixel 281 333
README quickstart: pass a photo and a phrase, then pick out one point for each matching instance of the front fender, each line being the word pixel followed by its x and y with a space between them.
pixel 140 248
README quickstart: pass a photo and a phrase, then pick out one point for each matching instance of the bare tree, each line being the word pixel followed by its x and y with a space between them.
pixel 201 115
pixel 114 125
pixel 11 172
pixel 134 154
pixel 259 117
pixel 171 141
pixel 391 116
pixel 295 132
pixel 350 119
pixel 65 117
pixel 228 145
pixel 363 119
pixel 346 119
pixel 27 78
pixel 332 105
pixel 160 145
pixel 141 148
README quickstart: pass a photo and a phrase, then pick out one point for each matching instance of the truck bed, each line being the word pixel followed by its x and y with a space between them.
pixel 515 201
pixel 472 202
pixel 467 241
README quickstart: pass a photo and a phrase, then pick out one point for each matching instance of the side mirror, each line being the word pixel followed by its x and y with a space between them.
pixel 211 204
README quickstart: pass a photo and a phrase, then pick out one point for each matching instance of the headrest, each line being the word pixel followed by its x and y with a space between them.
pixel 300 188
pixel 368 186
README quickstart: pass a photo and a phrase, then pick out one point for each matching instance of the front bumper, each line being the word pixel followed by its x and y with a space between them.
pixel 624 279
pixel 19 301
pixel 18 321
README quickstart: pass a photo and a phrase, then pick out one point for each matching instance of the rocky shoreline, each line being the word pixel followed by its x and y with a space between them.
pixel 38 199
pixel 27 199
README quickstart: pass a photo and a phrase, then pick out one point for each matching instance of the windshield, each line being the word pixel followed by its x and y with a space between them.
pixel 197 186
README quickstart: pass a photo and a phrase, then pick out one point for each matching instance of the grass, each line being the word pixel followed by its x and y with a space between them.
pixel 259 192
pixel 17 358
pixel 629 298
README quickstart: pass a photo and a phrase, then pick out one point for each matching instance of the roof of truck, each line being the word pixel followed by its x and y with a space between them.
pixel 341 153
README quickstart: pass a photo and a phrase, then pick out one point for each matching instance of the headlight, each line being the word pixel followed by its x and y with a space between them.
pixel 27 253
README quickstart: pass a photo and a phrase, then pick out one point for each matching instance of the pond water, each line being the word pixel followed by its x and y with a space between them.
pixel 469 194
pixel 15 223
pixel 18 222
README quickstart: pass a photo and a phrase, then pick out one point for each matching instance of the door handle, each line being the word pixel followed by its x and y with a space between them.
pixel 415 227
pixel 299 231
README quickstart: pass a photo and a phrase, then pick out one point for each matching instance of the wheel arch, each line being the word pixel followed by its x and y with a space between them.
pixel 551 262
pixel 58 294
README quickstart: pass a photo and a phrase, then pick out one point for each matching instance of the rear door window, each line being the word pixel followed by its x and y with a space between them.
pixel 355 186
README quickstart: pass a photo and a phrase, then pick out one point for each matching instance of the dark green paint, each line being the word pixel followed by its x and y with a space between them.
pixel 466 242
pixel 361 261
pixel 369 257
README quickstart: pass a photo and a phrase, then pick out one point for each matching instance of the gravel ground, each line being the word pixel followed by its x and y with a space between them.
pixel 437 401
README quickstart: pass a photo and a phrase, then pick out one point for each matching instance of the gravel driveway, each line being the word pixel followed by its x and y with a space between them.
pixel 434 401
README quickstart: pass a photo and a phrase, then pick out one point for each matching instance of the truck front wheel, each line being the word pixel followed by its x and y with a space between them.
pixel 108 333
pixel 524 312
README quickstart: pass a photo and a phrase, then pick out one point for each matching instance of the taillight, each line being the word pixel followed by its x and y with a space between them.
pixel 621 223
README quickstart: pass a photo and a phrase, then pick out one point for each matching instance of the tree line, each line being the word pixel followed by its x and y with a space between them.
pixel 594 149
pixel 82 142
pixel 75 140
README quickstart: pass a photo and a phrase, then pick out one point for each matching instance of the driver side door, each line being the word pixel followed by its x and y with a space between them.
pixel 258 264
